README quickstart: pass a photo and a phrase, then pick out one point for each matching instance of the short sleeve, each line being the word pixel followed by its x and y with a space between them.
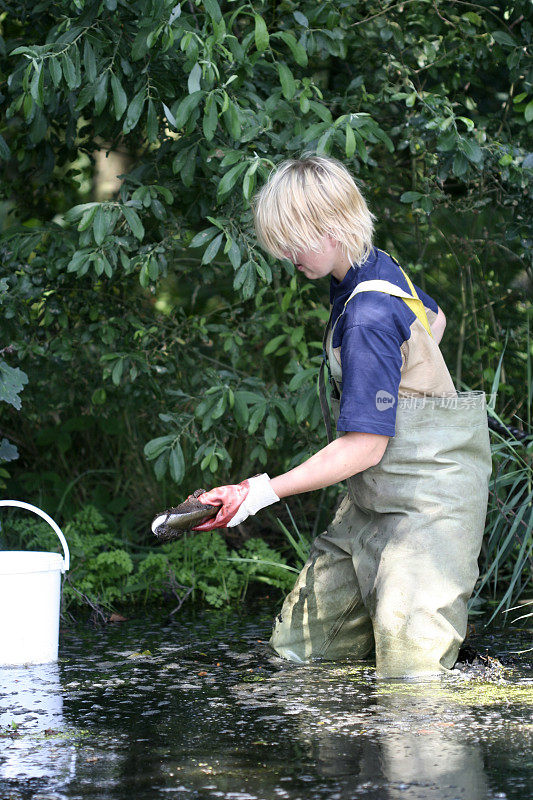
pixel 371 363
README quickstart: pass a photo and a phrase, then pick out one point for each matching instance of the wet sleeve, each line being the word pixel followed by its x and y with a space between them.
pixel 371 363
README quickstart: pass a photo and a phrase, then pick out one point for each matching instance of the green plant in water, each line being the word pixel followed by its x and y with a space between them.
pixel 107 573
pixel 506 556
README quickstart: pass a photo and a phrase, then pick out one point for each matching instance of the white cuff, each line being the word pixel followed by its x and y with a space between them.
pixel 260 495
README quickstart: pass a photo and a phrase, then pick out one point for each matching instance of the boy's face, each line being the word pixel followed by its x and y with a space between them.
pixel 329 261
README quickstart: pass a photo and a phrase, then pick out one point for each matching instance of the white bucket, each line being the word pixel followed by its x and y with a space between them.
pixel 30 592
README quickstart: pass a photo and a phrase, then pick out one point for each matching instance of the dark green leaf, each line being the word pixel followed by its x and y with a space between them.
pixel 297 50
pixel 160 466
pixel 271 430
pixel 169 115
pixel 230 179
pixel 261 33
pixel 248 183
pixel 471 150
pixel 120 100
pixel 210 120
pixel 5 152
pixel 85 96
pixel 232 122
pixel 189 167
pixel 140 45
pixel 152 125
pixel 133 220
pixel 300 18
pixel 55 71
pixel 410 197
pixel 250 280
pixel 447 142
pixel 256 418
pixel 134 111
pixel 234 254
pixel 274 344
pixel 144 276
pixel 350 141
pixel 240 410
pixel 158 209
pixel 321 111
pixel 503 38
pixel 176 12
pixel 76 212
pixel 460 165
pixel 100 95
pixel 288 84
pixel 36 85
pixel 87 218
pixel 193 82
pixel 12 382
pixel 8 451
pixel 68 71
pixel 242 274
pixel 89 61
pixel 101 224
pixel 213 9
pixel 177 463
pixel 212 249
pixel 186 107
pixel 203 237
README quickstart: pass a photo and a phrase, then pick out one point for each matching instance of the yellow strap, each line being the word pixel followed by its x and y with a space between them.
pixel 416 305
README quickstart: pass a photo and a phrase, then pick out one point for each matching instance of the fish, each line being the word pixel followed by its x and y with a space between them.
pixel 172 523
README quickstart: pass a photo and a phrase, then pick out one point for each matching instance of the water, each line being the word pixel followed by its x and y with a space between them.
pixel 200 708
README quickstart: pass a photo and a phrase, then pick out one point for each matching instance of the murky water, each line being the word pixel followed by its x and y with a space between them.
pixel 200 708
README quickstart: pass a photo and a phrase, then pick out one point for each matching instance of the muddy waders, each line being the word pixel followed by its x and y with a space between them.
pixel 397 565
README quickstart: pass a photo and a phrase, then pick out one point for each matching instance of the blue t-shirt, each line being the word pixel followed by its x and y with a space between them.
pixel 370 334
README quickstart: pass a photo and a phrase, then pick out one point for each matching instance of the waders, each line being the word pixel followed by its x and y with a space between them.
pixel 397 565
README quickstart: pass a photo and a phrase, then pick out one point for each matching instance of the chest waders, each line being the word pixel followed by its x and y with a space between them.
pixel 397 565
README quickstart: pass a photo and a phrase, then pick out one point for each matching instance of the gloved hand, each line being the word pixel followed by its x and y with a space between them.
pixel 239 501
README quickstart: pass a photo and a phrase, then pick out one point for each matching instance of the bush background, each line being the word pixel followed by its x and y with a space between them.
pixel 148 346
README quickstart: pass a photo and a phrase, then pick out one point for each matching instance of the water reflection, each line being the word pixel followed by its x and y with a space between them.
pixel 386 740
pixel 31 716
pixel 429 750
pixel 202 709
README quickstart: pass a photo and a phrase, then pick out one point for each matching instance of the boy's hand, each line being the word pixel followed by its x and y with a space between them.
pixel 239 501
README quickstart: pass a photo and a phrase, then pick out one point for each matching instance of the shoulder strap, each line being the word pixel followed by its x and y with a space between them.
pixel 411 300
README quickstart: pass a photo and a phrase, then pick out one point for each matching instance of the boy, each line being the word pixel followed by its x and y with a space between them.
pixel 397 565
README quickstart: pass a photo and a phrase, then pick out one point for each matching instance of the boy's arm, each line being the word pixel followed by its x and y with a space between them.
pixel 342 458
pixel 346 456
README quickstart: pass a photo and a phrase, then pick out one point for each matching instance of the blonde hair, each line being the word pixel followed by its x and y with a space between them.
pixel 308 198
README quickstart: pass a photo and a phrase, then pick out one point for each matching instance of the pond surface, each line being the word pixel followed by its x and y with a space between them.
pixel 198 707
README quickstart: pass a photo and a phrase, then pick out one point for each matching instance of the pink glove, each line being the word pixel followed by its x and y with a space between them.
pixel 231 498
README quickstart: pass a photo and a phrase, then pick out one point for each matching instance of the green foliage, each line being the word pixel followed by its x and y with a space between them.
pixel 108 573
pixel 506 562
pixel 164 350
pixel 12 381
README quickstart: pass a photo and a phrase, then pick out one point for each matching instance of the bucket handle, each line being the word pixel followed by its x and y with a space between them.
pixel 54 525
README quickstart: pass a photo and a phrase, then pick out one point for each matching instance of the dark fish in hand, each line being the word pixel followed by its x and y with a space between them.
pixel 169 525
